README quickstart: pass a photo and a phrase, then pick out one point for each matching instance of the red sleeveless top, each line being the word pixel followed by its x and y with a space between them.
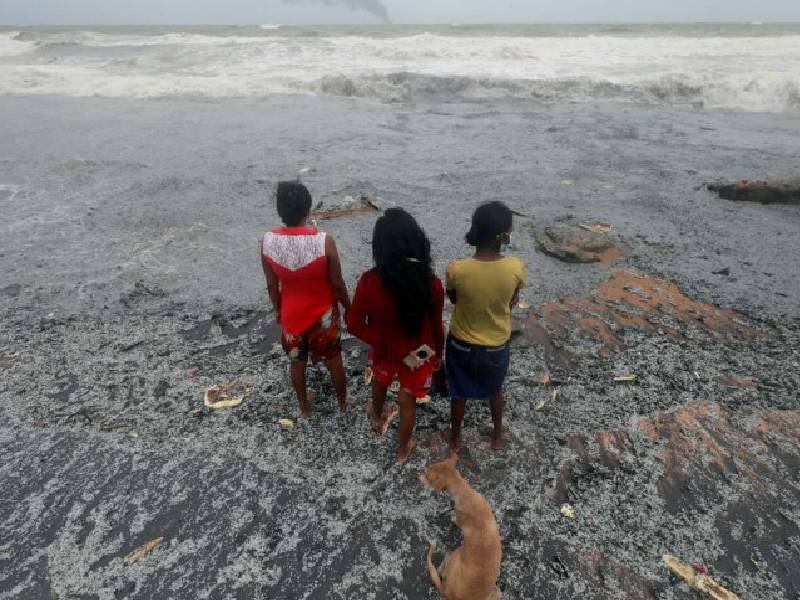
pixel 297 255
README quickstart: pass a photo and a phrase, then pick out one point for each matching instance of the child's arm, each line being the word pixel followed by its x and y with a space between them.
pixel 273 287
pixel 522 277
pixel 437 322
pixel 450 284
pixel 335 274
pixel 515 297
pixel 358 318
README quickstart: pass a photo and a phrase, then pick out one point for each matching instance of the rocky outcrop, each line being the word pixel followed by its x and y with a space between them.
pixel 769 191
pixel 596 325
pixel 575 244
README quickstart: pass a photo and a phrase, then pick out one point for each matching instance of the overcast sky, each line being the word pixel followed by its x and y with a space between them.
pixel 57 12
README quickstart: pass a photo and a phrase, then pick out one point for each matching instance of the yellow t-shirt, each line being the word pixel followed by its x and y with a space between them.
pixel 484 290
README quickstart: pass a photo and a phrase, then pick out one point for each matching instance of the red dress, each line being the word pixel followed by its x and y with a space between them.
pixel 373 318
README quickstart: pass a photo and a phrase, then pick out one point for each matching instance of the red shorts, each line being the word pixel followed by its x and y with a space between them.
pixel 417 382
pixel 321 341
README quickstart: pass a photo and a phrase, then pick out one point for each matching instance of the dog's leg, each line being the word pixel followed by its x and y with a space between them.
pixel 432 571
pixel 495 594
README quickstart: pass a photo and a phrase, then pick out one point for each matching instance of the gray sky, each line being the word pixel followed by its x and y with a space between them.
pixel 57 12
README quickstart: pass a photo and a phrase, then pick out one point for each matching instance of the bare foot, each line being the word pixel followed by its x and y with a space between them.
pixel 344 403
pixel 447 437
pixel 390 412
pixel 499 441
pixel 403 454
pixel 305 407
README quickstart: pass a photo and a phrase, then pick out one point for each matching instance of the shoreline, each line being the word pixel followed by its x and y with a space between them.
pixel 124 273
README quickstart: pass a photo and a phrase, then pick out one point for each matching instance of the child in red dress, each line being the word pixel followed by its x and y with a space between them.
pixel 397 310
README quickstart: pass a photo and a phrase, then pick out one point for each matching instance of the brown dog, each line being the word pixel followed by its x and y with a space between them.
pixel 470 572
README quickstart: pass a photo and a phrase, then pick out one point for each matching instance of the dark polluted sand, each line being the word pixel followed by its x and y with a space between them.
pixel 131 283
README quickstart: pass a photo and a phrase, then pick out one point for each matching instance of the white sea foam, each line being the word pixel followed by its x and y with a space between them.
pixel 10 46
pixel 756 72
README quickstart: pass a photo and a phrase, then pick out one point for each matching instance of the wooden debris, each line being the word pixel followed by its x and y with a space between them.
pixel 733 380
pixel 595 227
pixel 697 581
pixel 352 206
pixel 143 550
pixel 229 395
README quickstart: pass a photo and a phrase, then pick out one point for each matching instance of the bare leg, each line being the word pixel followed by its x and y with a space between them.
pixel 497 402
pixel 378 399
pixel 339 378
pixel 408 415
pixel 298 374
pixel 457 408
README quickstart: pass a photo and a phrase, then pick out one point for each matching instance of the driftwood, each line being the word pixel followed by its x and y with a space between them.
pixel 352 207
pixel 143 550
pixel 697 581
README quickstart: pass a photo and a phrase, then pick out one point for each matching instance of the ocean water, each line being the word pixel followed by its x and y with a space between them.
pixel 742 66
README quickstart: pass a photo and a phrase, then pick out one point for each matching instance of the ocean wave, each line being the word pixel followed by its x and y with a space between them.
pixel 749 93
pixel 752 73
pixel 10 45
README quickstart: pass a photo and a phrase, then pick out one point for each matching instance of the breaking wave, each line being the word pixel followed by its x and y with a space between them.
pixel 718 69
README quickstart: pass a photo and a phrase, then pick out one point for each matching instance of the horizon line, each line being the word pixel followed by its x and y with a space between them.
pixel 413 24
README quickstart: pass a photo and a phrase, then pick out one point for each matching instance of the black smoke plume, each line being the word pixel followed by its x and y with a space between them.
pixel 375 7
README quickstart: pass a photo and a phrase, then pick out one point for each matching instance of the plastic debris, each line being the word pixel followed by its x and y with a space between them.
pixel 568 511
pixel 544 378
pixel 192 373
pixel 627 378
pixel 697 581
pixel 595 227
pixel 522 305
pixel 700 568
pixel 368 375
pixel 229 395
pixel 540 405
pixel 424 400
pixel 395 387
pixel 143 550
pixel 567 181
pixel 287 423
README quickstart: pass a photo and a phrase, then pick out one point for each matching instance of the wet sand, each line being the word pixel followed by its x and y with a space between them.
pixel 129 256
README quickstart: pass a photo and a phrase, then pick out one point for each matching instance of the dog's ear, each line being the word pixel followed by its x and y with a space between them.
pixel 453 460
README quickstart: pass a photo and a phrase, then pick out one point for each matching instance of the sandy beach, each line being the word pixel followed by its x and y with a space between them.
pixel 129 257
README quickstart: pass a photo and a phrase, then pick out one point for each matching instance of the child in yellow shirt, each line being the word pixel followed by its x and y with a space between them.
pixel 483 289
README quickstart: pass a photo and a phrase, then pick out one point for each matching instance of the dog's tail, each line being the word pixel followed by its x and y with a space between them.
pixel 437 583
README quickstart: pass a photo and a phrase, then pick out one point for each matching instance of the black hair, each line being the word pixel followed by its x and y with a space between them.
pixel 294 202
pixel 488 222
pixel 402 255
